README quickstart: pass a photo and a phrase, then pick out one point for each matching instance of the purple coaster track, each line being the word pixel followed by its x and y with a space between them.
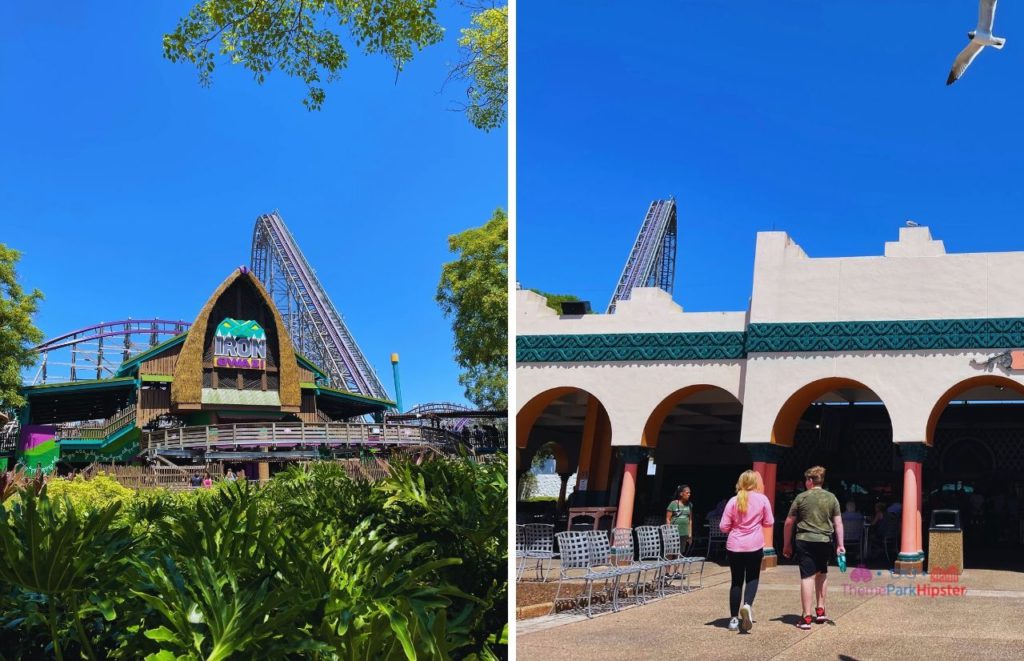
pixel 316 326
pixel 88 354
pixel 652 261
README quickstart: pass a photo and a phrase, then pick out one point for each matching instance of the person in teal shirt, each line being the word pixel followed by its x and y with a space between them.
pixel 680 514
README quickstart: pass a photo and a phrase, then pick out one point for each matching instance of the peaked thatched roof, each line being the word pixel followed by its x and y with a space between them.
pixel 187 388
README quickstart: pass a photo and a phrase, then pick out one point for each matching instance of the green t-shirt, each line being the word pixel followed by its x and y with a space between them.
pixel 681 515
pixel 814 510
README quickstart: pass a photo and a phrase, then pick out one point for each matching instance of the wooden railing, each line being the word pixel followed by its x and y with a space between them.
pixel 270 434
pixel 97 431
pixel 9 436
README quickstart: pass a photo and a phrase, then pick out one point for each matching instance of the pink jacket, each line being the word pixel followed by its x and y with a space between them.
pixel 744 529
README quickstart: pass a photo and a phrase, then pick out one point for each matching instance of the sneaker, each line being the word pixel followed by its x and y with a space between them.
pixel 734 624
pixel 805 623
pixel 746 618
pixel 819 615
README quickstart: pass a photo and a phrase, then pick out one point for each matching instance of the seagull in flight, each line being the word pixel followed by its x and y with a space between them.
pixel 979 38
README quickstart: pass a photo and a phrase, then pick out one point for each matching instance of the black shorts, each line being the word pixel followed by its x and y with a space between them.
pixel 813 557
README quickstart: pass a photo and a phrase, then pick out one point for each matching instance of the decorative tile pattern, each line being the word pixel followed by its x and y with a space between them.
pixel 629 347
pixel 931 334
pixel 934 334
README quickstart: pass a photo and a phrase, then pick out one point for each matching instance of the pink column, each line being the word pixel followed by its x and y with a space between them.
pixel 766 457
pixel 911 482
pixel 631 457
pixel 911 556
pixel 624 516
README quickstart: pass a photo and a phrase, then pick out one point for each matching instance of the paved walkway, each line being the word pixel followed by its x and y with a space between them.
pixel 985 623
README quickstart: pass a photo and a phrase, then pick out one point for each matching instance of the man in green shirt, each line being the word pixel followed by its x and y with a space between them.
pixel 817 516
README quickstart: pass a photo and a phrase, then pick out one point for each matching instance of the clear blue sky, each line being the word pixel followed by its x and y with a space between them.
pixel 830 120
pixel 132 191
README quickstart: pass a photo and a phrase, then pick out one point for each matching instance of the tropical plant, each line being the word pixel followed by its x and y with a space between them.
pixel 314 565
pixel 65 558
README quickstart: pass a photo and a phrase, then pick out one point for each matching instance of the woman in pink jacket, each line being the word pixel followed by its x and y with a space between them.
pixel 746 514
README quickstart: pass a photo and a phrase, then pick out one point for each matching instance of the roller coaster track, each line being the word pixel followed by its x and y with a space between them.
pixel 652 261
pixel 316 326
pixel 97 351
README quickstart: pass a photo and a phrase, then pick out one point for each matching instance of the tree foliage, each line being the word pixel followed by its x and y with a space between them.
pixel 473 292
pixel 17 332
pixel 301 38
pixel 555 301
pixel 485 67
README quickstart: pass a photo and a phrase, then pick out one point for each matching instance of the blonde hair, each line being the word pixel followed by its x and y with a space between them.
pixel 816 474
pixel 748 482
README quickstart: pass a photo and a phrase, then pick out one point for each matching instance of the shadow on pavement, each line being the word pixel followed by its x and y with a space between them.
pixel 721 623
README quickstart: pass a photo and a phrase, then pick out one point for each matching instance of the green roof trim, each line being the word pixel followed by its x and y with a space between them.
pixel 308 364
pixel 308 385
pixel 163 378
pixel 129 365
pixel 354 397
pixel 74 386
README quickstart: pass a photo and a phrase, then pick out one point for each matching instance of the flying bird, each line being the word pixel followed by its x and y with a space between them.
pixel 979 38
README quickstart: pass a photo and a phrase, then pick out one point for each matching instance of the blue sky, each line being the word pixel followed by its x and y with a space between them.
pixel 133 191
pixel 829 120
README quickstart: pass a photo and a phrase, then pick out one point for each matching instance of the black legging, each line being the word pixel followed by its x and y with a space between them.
pixel 744 564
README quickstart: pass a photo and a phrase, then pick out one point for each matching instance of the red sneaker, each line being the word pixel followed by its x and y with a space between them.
pixel 819 616
pixel 805 623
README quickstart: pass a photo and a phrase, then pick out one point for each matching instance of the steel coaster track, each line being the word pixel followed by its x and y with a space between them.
pixel 316 326
pixel 88 345
pixel 652 260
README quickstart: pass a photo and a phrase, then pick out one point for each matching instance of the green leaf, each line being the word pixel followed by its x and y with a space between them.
pixel 161 635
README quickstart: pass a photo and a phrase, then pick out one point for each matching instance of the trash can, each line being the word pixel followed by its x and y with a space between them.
pixel 945 543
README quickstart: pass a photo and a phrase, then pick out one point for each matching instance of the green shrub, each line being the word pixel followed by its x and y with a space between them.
pixel 312 565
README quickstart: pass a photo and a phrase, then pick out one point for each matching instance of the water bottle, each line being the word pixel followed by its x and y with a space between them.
pixel 842 562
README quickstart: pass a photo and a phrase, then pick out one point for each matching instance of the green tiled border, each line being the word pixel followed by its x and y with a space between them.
pixel 629 347
pixel 929 334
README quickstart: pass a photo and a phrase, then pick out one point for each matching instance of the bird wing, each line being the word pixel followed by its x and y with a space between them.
pixel 986 15
pixel 963 60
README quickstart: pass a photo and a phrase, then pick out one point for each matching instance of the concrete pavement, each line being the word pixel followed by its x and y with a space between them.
pixel 882 617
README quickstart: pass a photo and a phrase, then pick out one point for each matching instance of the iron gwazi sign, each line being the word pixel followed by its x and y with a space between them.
pixel 241 344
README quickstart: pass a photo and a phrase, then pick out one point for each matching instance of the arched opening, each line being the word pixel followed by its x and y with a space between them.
pixel 693 436
pixel 571 427
pixel 976 465
pixel 842 425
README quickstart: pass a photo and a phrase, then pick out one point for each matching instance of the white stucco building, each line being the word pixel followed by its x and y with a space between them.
pixel 849 362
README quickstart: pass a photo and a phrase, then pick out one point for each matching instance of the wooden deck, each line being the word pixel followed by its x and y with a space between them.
pixel 289 435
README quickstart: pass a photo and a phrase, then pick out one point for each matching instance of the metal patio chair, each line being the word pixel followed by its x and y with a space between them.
pixel 575 553
pixel 520 550
pixel 601 557
pixel 672 552
pixel 539 546
pixel 689 563
pixel 648 540
pixel 715 534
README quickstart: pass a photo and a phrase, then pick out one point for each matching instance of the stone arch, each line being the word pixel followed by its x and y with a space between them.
pixel 961 387
pixel 558 452
pixel 788 417
pixel 967 447
pixel 531 410
pixel 594 457
pixel 657 417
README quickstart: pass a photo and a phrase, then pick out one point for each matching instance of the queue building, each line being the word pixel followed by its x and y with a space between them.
pixel 232 388
pixel 901 374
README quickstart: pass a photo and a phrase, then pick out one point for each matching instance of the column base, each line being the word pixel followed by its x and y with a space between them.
pixel 770 559
pixel 909 563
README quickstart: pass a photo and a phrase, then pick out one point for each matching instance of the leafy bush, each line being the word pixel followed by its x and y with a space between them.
pixel 313 565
